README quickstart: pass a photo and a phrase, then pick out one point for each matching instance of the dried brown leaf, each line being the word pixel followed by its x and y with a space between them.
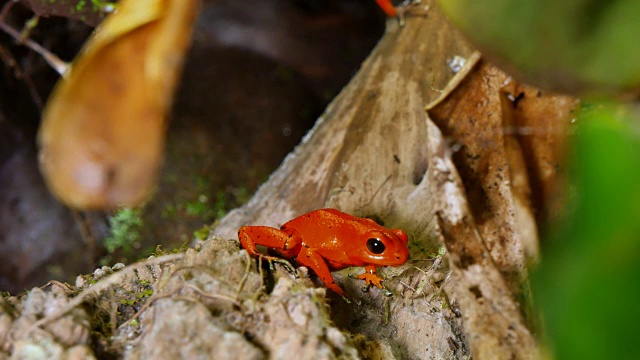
pixel 102 131
pixel 487 216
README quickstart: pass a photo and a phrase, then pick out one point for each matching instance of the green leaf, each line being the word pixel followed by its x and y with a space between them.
pixel 589 277
pixel 569 45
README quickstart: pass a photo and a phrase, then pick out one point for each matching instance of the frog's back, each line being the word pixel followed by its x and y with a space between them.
pixel 319 227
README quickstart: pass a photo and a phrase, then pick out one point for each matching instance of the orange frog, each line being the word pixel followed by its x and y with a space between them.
pixel 326 240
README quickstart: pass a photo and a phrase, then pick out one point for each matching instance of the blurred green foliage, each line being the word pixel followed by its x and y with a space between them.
pixel 589 281
pixel 576 46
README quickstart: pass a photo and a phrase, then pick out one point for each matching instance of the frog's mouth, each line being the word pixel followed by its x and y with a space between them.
pixel 400 258
pixel 395 259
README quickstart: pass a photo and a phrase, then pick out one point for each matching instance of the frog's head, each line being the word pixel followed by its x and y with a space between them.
pixel 385 246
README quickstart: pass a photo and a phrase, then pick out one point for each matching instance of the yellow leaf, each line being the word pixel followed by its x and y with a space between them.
pixel 103 128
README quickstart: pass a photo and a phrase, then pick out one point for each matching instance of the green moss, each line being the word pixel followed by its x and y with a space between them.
pixel 128 302
pixel 80 5
pixel 206 208
pixel 180 249
pixel 169 212
pixel 144 293
pixel 125 237
pixel 103 6
pixel 202 233
pixel 199 208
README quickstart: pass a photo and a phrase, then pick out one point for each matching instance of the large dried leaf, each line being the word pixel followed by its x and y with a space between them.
pixel 494 326
pixel 487 215
pixel 102 131
pixel 485 126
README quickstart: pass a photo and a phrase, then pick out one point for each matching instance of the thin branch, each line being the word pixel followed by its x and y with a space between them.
pixel 54 61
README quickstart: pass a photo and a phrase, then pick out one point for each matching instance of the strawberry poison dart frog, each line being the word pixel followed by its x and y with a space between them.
pixel 327 239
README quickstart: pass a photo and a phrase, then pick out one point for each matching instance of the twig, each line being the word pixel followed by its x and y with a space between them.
pixel 66 288
pixel 407 286
pixel 203 268
pixel 172 293
pixel 212 296
pixel 54 61
pixel 262 284
pixel 456 80
pixel 246 275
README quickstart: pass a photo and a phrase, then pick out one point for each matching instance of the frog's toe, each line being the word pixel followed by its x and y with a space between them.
pixel 287 265
pixel 371 279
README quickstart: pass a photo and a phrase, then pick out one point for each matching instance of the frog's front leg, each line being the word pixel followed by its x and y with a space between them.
pixel 287 242
pixel 370 277
pixel 311 259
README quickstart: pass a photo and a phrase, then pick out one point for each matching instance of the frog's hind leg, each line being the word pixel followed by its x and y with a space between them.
pixel 387 7
pixel 285 242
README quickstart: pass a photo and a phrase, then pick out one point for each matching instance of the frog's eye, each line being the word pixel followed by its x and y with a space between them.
pixel 375 246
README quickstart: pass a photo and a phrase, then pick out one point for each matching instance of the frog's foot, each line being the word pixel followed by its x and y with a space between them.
pixel 287 265
pixel 272 259
pixel 371 279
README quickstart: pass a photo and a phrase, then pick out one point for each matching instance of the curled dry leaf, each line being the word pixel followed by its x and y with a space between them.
pixel 491 318
pixel 102 130
pixel 507 139
pixel 540 122
pixel 491 119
